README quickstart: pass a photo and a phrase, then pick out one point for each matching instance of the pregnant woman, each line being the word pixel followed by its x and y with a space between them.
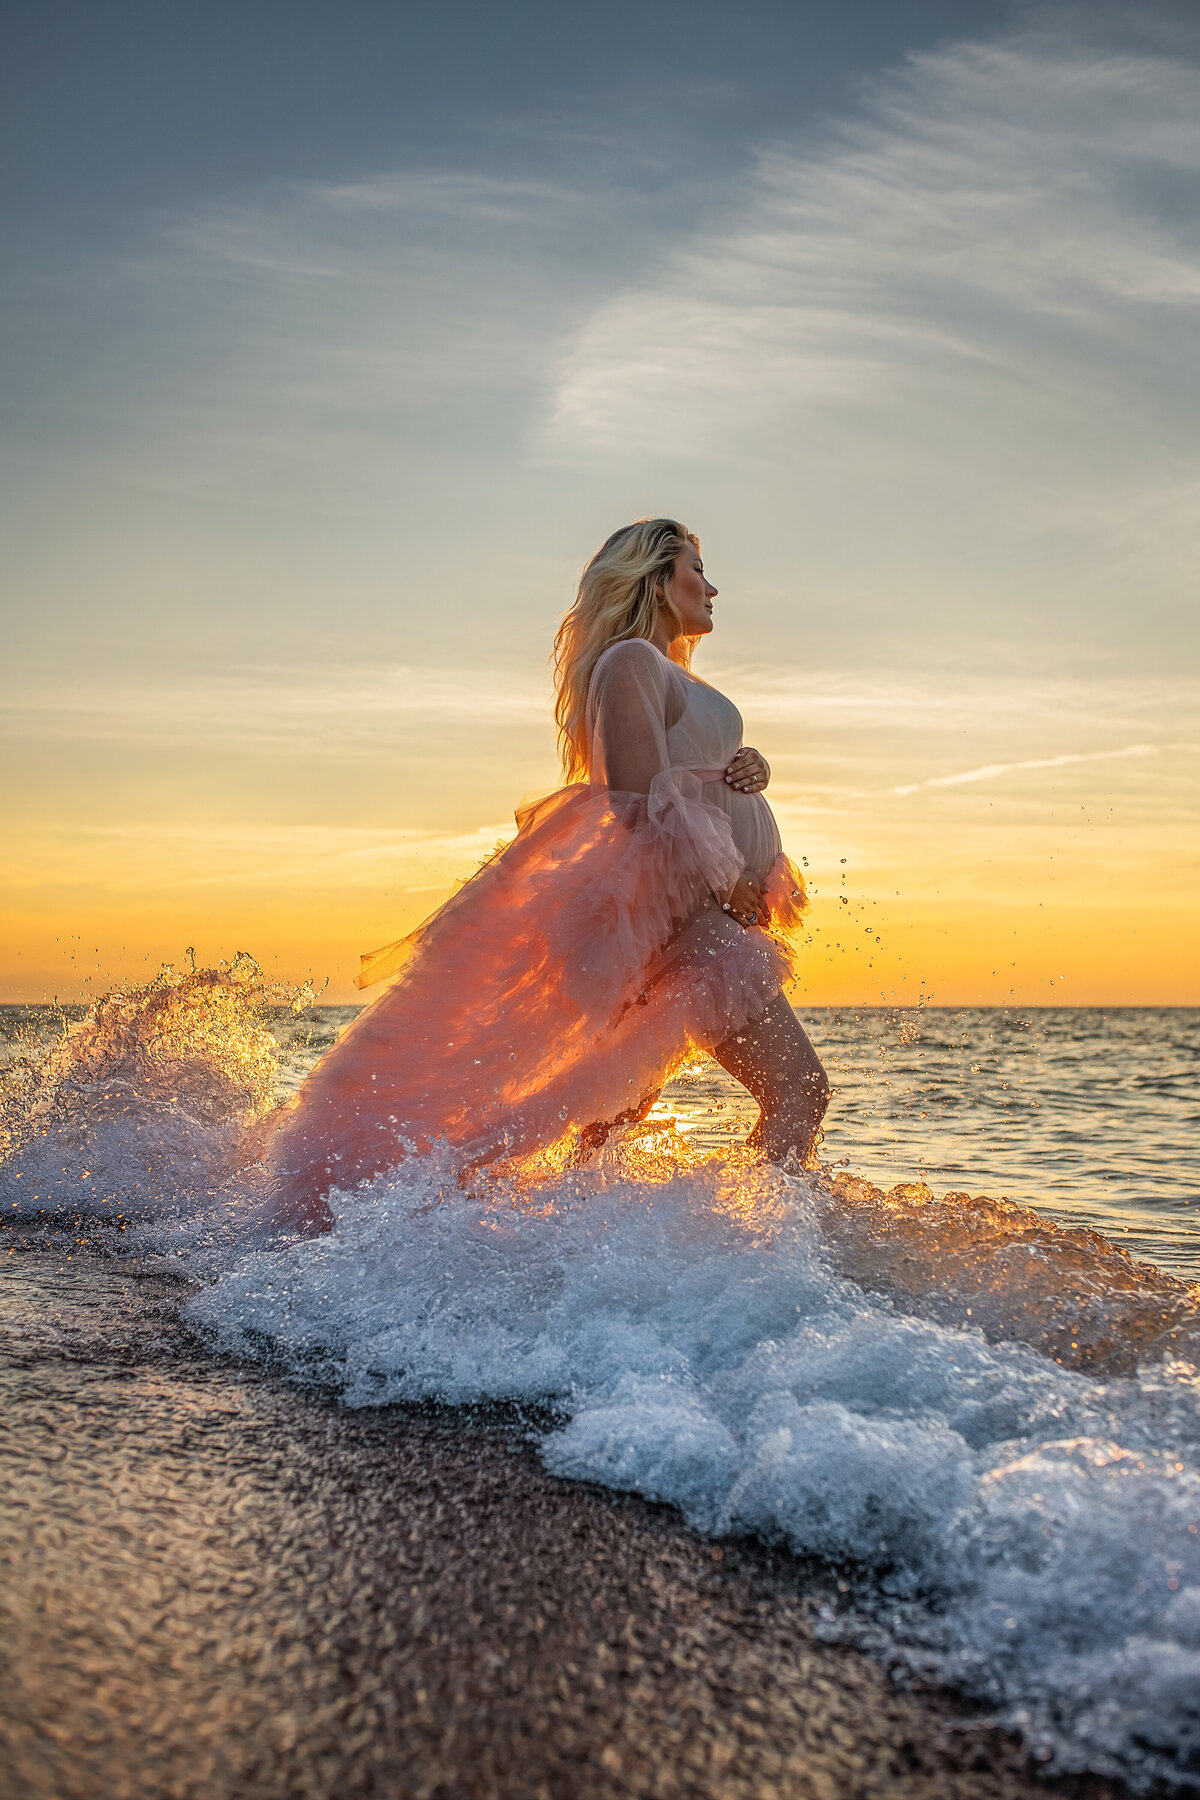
pixel 642 911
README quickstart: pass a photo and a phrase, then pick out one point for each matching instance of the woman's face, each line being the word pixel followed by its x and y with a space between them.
pixel 691 595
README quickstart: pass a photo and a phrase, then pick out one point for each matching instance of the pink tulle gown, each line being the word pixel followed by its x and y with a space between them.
pixel 557 990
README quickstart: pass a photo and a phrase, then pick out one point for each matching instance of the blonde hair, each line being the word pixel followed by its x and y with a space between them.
pixel 618 597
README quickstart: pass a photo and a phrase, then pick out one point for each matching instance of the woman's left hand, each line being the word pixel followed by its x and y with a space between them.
pixel 749 772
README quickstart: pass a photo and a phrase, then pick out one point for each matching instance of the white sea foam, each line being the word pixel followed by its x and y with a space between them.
pixel 1020 1529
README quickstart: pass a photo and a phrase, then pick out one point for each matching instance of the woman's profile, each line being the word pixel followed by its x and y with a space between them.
pixel 643 911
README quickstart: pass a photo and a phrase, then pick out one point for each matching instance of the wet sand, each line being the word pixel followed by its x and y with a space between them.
pixel 217 1587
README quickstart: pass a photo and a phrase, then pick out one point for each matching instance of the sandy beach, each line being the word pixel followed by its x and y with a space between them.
pixel 218 1586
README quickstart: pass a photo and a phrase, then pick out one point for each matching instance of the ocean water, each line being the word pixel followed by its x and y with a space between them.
pixel 932 1363
pixel 1091 1115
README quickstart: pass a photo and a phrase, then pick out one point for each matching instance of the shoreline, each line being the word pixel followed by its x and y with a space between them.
pixel 221 1586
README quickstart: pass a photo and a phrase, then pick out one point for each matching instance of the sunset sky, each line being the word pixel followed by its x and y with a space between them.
pixel 338 336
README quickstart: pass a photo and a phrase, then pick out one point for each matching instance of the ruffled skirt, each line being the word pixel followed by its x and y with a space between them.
pixel 552 995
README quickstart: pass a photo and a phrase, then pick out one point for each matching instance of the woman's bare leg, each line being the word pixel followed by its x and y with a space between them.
pixel 774 1059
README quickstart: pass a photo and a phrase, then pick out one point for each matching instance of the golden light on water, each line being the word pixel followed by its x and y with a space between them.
pixel 679 1120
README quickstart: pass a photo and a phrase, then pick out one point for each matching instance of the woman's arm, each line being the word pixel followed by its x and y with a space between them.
pixel 633 702
pixel 630 735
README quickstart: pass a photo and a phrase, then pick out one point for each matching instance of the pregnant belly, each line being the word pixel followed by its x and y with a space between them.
pixel 754 832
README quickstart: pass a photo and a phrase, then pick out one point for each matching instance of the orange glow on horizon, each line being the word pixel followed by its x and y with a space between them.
pixel 1004 883
pixel 952 954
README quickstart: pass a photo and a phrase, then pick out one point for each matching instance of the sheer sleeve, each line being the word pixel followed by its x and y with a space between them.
pixel 629 711
pixel 633 700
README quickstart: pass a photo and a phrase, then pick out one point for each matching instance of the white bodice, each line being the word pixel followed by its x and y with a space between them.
pixel 706 736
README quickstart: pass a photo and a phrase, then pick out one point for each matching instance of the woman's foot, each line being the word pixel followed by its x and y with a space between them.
pixel 786 1147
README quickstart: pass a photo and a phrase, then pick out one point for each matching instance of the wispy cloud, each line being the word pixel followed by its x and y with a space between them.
pixel 133 856
pixel 344 709
pixel 1003 215
pixel 990 771
pixel 357 708
pixel 351 329
pixel 808 720
pixel 981 694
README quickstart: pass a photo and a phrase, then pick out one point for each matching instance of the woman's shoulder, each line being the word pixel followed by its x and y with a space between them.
pixel 630 649
pixel 632 674
pixel 636 657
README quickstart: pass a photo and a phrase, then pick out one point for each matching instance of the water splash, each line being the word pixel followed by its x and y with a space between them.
pixel 1011 1273
pixel 148 1097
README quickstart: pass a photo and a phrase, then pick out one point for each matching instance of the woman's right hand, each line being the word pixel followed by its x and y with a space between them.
pixel 746 903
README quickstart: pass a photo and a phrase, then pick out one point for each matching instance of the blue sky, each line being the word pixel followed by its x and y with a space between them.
pixel 336 338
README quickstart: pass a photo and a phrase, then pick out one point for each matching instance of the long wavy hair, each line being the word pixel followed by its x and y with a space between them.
pixel 618 597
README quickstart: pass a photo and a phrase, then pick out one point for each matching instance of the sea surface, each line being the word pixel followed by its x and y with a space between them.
pixel 958 1362
pixel 1090 1115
